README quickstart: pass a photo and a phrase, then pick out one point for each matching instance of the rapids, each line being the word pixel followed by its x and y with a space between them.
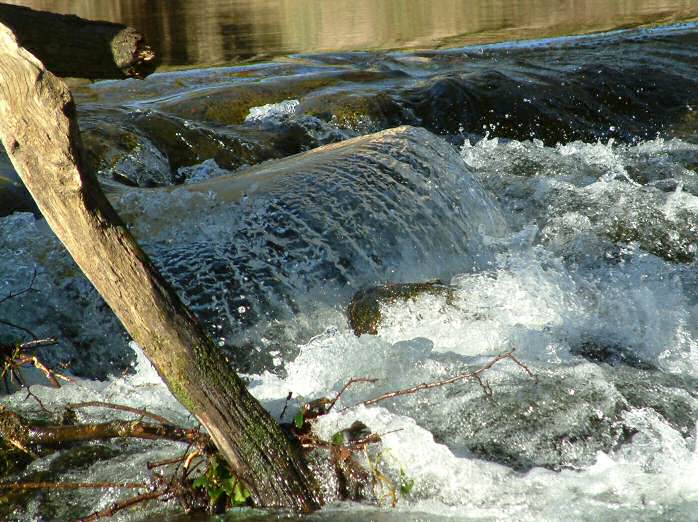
pixel 552 184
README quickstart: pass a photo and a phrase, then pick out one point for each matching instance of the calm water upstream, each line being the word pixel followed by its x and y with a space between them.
pixel 551 183
pixel 196 32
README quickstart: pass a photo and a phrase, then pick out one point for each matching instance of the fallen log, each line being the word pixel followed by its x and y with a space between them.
pixel 74 47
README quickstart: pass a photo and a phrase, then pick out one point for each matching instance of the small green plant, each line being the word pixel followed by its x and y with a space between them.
pixel 224 490
pixel 338 438
pixel 299 419
pixel 406 484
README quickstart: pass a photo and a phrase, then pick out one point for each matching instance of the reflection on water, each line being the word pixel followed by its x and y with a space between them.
pixel 190 32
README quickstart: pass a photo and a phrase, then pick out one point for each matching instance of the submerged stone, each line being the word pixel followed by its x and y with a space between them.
pixel 279 241
pixel 364 311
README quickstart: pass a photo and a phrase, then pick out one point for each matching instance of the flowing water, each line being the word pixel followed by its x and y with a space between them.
pixel 551 183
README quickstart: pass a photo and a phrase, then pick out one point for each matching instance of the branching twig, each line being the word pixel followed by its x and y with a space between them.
pixel 14 359
pixel 125 504
pixel 351 381
pixel 29 288
pixel 18 327
pixel 476 375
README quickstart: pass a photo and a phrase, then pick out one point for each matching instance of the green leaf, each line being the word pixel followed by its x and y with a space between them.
pixel 214 495
pixel 201 482
pixel 338 438
pixel 406 484
pixel 240 494
pixel 228 486
pixel 299 419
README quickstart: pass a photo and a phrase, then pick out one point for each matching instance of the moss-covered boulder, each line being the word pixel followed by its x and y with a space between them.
pixel 364 311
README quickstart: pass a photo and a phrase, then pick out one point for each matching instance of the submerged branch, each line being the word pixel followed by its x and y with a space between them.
pixel 23 434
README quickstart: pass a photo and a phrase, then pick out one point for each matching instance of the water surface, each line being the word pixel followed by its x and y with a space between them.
pixel 189 32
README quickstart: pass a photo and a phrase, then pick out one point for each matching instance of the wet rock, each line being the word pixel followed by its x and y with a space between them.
pixel 553 424
pixel 359 112
pixel 612 354
pixel 122 155
pixel 231 104
pixel 271 243
pixel 364 311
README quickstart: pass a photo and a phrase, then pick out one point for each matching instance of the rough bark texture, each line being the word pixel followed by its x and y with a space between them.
pixel 40 133
pixel 20 432
pixel 72 46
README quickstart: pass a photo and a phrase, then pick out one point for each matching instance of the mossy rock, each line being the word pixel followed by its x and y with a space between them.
pixel 362 112
pixel 121 154
pixel 364 311
pixel 231 105
pixel 671 240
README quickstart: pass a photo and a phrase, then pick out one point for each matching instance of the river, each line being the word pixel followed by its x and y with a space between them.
pixel 546 176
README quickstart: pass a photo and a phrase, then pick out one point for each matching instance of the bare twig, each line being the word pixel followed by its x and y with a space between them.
pixel 38 401
pixel 18 327
pixel 14 359
pixel 37 343
pixel 125 504
pixel 350 382
pixel 159 463
pixel 523 366
pixel 29 288
pixel 23 434
pixel 283 412
pixel 476 375
pixel 120 407
pixel 48 373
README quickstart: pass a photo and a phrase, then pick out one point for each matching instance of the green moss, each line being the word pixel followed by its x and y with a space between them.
pixel 231 106
pixel 656 236
pixel 364 311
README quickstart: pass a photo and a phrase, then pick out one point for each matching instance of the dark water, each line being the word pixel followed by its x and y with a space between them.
pixel 196 32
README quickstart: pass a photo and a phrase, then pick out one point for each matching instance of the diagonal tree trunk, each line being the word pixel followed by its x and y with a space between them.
pixel 40 133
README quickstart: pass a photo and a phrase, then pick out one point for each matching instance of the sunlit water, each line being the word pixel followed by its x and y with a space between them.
pixel 197 32
pixel 560 202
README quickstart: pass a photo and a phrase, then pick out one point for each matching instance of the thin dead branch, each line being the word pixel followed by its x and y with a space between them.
pixel 29 288
pixel 476 375
pixel 15 357
pixel 125 504
pixel 23 434
pixel 349 383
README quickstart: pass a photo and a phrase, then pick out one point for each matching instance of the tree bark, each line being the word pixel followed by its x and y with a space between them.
pixel 72 46
pixel 40 133
pixel 20 432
